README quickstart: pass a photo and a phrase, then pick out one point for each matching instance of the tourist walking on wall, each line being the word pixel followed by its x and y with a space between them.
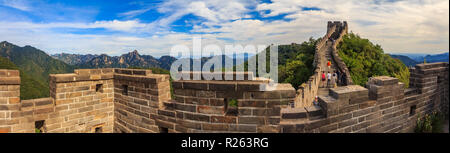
pixel 334 80
pixel 329 65
pixel 323 79
pixel 328 79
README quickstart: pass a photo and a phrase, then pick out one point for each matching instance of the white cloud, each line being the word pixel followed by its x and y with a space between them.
pixel 134 13
pixel 115 25
pixel 17 4
pixel 118 25
pixel 398 26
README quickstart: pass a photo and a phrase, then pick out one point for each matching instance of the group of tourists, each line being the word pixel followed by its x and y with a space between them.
pixel 332 79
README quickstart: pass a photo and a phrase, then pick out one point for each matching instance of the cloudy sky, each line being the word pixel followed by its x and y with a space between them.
pixel 116 27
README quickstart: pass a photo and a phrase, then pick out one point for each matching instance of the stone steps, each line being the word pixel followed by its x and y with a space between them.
pixel 300 114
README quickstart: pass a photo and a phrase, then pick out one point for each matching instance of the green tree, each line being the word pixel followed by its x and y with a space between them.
pixel 30 88
pixel 295 62
pixel 365 60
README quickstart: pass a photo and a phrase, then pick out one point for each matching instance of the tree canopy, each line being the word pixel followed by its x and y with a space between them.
pixel 365 60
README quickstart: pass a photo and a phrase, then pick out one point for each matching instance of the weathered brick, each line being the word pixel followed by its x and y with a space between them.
pixel 215 127
pixel 251 120
pixel 223 119
pixel 251 103
pixel 293 113
pixel 196 117
pixel 210 110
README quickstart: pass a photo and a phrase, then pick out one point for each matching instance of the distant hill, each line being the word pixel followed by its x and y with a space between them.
pixel 74 59
pixel 406 60
pixel 434 58
pixel 33 61
pixel 29 87
pixel 131 59
pixel 419 58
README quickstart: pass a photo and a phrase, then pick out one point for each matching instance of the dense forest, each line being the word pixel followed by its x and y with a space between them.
pixel 30 88
pixel 365 60
pixel 295 62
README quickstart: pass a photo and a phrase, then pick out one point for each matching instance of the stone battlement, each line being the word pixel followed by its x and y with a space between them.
pixel 126 100
pixel 385 106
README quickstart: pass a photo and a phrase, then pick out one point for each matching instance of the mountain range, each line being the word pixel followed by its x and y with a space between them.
pixel 133 59
pixel 35 62
pixel 433 58
pixel 413 59
pixel 34 66
pixel 124 61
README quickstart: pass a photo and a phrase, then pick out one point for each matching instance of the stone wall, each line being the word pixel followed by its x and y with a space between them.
pixel 89 100
pixel 202 106
pixel 9 100
pixel 384 106
pixel 334 52
pixel 307 91
pixel 138 95
pixel 431 81
pixel 80 102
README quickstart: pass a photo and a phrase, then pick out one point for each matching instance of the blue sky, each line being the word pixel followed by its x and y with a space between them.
pixel 152 27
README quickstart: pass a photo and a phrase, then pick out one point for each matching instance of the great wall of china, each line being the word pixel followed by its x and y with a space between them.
pixel 128 100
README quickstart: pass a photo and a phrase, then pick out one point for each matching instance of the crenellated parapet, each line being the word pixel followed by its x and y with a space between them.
pixel 138 97
pixel 205 106
pixel 79 102
pixel 9 100
pixel 384 106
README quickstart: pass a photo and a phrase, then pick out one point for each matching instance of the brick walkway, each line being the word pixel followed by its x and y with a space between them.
pixel 324 90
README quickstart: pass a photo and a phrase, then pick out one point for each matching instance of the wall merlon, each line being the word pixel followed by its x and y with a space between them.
pixel 9 73
pixel 132 72
pixel 10 80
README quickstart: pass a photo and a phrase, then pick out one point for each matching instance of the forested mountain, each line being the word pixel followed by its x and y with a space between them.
pixel 29 87
pixel 34 62
pixel 364 60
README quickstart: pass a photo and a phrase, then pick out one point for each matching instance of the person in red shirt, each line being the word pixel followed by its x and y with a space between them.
pixel 329 65
pixel 323 79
